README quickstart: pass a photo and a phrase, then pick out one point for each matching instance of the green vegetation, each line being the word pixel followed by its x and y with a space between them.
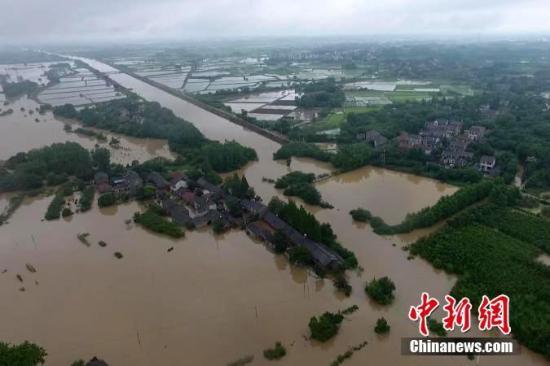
pixel 347 311
pixel 321 94
pixel 436 327
pixel 25 171
pixel 24 354
pixel 134 117
pixel 56 206
pixel 101 158
pixel 294 178
pixel 347 355
pixel 87 132
pixel 443 209
pixel 155 222
pixel 300 256
pixel 13 204
pixel 352 156
pixel 326 326
pixel 382 326
pixel 509 242
pixel 342 284
pixel 348 157
pixel 12 90
pixel 306 223
pixel 242 361
pixel 227 156
pixel 218 227
pixel 86 198
pixel 276 353
pixel 381 290
pixel 300 184
pixel 107 199
pixel 66 212
pixel 238 187
pixel 301 149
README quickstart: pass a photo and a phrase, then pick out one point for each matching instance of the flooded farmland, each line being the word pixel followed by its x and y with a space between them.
pixel 213 299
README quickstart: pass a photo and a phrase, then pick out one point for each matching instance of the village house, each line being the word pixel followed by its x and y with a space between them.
pixel 429 143
pixel 261 231
pixel 321 255
pixel 178 181
pixel 215 191
pixel 444 129
pixel 475 133
pixel 487 163
pixel 134 182
pixel 408 141
pixel 129 183
pixel 158 181
pixel 101 181
pixel 372 137
pixel 456 158
pixel 179 214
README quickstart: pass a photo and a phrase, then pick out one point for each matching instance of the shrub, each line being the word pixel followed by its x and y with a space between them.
pixel 106 199
pixel 86 198
pixel 55 207
pixel 381 290
pixel 382 326
pixel 275 353
pixel 66 212
pixel 300 255
pixel 154 222
pixel 325 327
pixel 25 354
pixel 342 284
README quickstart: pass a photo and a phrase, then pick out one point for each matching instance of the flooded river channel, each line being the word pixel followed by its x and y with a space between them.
pixel 213 299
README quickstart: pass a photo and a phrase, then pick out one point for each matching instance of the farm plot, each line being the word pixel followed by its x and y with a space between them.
pixel 80 88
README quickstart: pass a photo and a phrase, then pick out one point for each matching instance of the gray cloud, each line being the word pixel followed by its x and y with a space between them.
pixel 50 20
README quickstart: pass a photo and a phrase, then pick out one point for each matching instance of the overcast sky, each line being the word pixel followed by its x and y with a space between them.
pixel 47 20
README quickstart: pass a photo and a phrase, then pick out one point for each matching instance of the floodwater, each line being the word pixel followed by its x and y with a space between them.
pixel 214 299
pixel 19 131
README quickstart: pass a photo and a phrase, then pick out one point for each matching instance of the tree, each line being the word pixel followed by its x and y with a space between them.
pixel 300 255
pixel 102 159
pixel 238 187
pixel 280 242
pixel 382 326
pixel 381 290
pixel 276 353
pixel 227 156
pixel 25 354
pixel 325 327
pixel 106 199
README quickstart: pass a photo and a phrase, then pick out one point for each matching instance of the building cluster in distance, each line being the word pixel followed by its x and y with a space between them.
pixel 197 203
pixel 448 137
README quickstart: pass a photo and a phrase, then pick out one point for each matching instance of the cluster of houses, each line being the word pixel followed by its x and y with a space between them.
pixel 449 137
pixel 197 203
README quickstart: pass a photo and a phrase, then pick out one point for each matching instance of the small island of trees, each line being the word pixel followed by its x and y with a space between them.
pixel 381 290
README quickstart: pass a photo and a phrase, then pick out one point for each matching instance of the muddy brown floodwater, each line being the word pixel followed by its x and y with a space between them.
pixel 20 131
pixel 214 299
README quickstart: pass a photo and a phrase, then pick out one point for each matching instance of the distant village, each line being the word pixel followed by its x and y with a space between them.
pixel 446 136
pixel 198 203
